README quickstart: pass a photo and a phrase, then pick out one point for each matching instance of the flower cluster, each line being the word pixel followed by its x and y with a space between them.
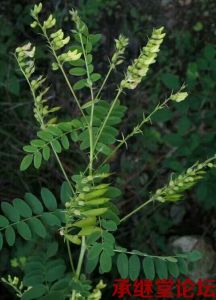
pixel 34 13
pixel 57 39
pixel 140 66
pixel 25 58
pixel 49 23
pixel 16 284
pixel 80 25
pixel 120 45
pixel 97 294
pixel 69 56
pixel 176 187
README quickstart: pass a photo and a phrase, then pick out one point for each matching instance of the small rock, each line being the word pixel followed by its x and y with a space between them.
pixel 204 268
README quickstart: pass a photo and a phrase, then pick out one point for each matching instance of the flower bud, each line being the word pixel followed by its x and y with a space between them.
pixel 120 45
pixel 50 22
pixel 178 97
pixel 140 66
pixel 36 10
pixel 34 24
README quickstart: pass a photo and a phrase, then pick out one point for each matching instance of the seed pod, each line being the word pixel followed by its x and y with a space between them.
pixel 170 192
pixel 98 201
pixel 100 186
pixel 173 197
pixel 92 195
pixel 95 212
pixel 88 230
pixel 102 175
pixel 85 222
pixel 73 238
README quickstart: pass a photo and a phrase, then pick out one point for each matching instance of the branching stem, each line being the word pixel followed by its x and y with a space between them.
pixel 136 210
pixel 136 130
pixel 105 79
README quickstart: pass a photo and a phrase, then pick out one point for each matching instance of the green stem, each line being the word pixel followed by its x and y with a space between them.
pixel 107 116
pixel 81 257
pixel 136 130
pixel 147 255
pixel 105 80
pixel 136 210
pixel 91 142
pixel 62 169
pixel 70 256
pixel 79 265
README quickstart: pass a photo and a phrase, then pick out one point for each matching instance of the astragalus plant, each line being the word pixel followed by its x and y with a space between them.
pixel 83 219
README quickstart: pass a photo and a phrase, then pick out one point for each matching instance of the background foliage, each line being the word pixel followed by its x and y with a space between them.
pixel 181 135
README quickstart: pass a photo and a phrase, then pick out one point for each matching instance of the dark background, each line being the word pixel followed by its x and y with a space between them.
pixel 178 136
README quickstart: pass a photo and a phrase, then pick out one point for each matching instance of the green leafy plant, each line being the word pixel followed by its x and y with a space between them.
pixel 87 217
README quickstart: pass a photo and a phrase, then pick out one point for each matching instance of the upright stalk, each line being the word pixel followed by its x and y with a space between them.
pixel 79 265
pixel 81 257
pixel 62 169
pixel 107 116
pixel 91 141
pixel 105 80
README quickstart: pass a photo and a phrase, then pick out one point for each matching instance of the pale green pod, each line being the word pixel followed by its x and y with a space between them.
pixel 100 186
pixel 85 222
pixel 88 230
pixel 94 212
pixel 92 195
pixel 98 201
pixel 73 238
